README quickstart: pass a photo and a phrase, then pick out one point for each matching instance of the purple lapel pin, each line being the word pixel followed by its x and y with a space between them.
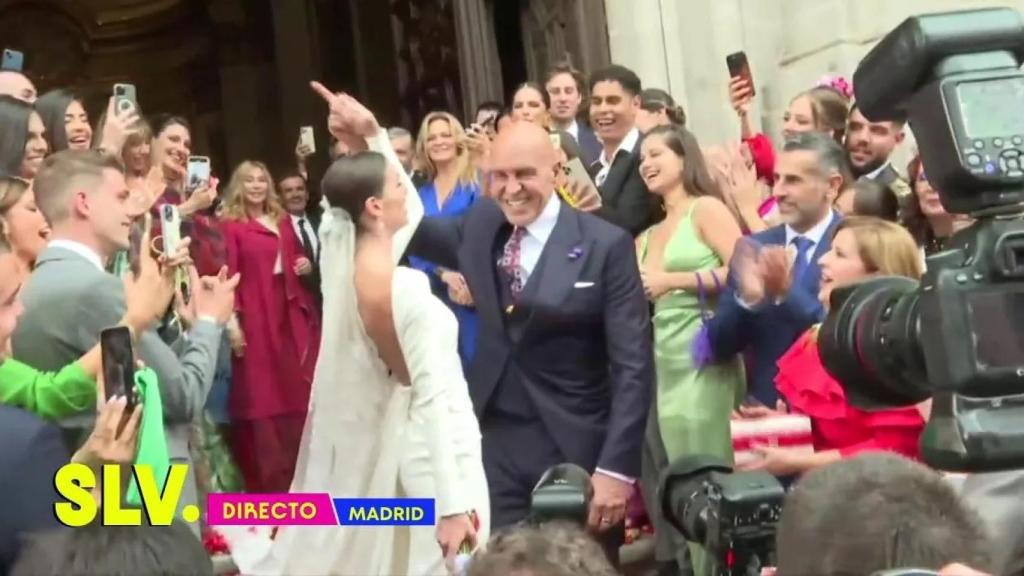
pixel 575 253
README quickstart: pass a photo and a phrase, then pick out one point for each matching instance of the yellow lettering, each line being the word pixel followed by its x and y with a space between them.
pixel 113 514
pixel 264 515
pixel 373 515
pixel 229 511
pixel 307 511
pixel 398 514
pixel 416 514
pixel 74 483
pixel 356 514
pixel 279 510
pixel 250 511
pixel 159 507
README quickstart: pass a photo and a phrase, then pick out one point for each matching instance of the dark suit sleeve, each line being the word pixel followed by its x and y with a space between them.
pixel 633 207
pixel 629 343
pixel 729 331
pixel 28 500
pixel 802 307
pixel 437 239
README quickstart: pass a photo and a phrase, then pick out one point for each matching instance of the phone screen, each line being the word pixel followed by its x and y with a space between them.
pixel 198 172
pixel 118 363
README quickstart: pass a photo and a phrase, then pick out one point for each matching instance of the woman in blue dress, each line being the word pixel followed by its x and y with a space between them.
pixel 451 189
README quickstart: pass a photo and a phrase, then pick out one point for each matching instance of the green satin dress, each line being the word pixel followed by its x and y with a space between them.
pixel 693 406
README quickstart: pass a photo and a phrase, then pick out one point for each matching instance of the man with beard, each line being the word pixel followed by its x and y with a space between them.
pixel 869 146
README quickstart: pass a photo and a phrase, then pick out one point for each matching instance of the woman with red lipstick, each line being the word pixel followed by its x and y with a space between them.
pixel 863 247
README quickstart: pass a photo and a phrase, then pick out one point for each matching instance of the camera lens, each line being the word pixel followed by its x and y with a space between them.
pixel 869 343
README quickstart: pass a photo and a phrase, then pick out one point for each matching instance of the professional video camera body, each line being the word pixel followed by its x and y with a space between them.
pixel 958 336
pixel 733 515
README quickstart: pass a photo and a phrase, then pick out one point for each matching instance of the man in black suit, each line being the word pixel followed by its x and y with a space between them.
pixel 614 102
pixel 305 221
pixel 564 365
pixel 565 88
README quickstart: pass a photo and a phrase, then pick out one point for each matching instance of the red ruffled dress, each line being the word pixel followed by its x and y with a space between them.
pixel 835 424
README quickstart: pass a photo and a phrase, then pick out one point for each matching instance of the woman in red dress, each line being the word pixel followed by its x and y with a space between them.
pixel 277 336
pixel 863 247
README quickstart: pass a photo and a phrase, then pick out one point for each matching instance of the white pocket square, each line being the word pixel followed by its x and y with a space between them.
pixel 583 285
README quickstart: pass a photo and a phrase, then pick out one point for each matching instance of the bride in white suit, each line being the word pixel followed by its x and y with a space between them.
pixel 390 413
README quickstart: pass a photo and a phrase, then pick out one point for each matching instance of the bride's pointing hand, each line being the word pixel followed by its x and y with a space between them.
pixel 452 532
pixel 347 115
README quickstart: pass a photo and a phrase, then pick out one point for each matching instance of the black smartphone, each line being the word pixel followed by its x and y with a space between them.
pixel 12 60
pixel 739 67
pixel 118 364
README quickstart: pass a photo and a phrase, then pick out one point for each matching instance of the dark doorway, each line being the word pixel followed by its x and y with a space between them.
pixel 508 31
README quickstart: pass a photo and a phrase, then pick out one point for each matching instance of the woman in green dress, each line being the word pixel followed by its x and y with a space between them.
pixel 681 258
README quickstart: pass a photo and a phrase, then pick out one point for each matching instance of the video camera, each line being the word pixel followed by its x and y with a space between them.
pixel 958 335
pixel 563 493
pixel 733 515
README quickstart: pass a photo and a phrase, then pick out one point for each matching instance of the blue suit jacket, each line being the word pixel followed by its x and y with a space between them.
pixel 584 352
pixel 767 331
pixel 31 452
pixel 590 146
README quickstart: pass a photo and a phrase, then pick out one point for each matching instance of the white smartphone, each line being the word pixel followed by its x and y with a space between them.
pixel 198 173
pixel 307 138
pixel 125 98
pixel 170 228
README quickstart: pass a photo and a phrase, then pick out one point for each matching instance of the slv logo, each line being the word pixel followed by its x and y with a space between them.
pixel 74 482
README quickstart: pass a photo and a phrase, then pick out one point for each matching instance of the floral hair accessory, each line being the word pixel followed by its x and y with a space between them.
pixel 838 83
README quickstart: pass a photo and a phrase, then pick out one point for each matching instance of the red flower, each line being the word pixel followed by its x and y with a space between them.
pixel 215 543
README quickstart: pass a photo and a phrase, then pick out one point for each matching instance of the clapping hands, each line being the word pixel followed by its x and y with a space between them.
pixel 761 271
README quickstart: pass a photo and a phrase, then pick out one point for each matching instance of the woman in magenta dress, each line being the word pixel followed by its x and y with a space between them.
pixel 863 247
pixel 277 336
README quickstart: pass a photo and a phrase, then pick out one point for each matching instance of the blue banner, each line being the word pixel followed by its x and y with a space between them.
pixel 385 511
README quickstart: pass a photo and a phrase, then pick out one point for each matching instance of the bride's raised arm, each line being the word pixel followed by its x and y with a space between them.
pixel 413 205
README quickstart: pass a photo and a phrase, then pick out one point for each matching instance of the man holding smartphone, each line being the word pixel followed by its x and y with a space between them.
pixel 70 298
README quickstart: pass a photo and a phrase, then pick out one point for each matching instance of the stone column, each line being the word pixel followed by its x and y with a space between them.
pixel 479 66
pixel 294 59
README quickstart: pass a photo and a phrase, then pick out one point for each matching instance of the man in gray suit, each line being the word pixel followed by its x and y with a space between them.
pixel 70 298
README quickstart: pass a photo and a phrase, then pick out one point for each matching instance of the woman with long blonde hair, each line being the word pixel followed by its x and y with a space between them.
pixel 278 331
pixel 452 188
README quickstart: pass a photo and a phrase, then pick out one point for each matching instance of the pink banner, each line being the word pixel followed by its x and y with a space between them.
pixel 270 510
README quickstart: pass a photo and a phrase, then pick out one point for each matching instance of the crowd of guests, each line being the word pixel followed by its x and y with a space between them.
pixel 737 250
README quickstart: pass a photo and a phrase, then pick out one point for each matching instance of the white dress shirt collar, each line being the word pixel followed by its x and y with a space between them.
pixel 80 249
pixel 574 130
pixel 815 234
pixel 542 227
pixel 628 144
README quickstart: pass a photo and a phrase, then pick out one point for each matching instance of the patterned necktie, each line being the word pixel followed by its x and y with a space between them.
pixel 803 246
pixel 511 262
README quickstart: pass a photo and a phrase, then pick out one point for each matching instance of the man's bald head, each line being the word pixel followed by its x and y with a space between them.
pixel 522 169
pixel 17 85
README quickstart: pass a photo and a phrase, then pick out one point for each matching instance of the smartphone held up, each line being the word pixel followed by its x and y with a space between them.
pixel 118 361
pixel 739 67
